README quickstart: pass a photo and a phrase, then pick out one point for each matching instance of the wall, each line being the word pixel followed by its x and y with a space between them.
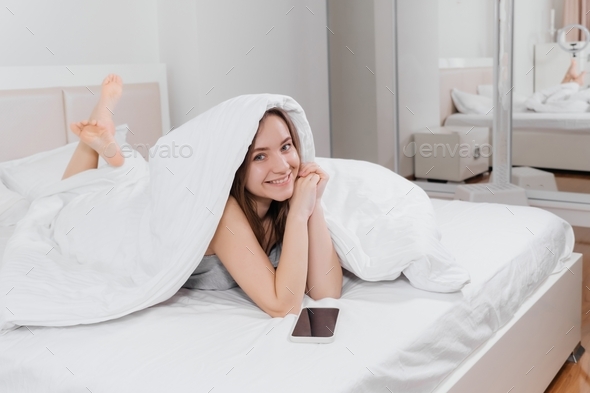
pixel 177 21
pixel 77 32
pixel 218 50
pixel 466 28
pixel 531 26
pixel 199 40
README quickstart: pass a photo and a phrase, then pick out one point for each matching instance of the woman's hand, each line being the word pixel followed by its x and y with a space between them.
pixel 304 195
pixel 312 167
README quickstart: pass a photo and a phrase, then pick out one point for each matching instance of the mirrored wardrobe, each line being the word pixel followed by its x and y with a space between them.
pixel 412 88
pixel 551 118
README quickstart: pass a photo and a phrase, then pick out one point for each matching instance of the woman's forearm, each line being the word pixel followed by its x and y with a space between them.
pixel 291 273
pixel 324 274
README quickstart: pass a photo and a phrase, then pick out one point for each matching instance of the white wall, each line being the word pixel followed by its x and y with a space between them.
pixel 177 21
pixel 78 32
pixel 199 40
pixel 465 28
pixel 202 40
pixel 531 26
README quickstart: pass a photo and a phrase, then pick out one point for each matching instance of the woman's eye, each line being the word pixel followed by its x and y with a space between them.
pixel 261 155
pixel 288 144
pixel 255 158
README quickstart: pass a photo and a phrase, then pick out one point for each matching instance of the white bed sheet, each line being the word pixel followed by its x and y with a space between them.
pixel 5 233
pixel 527 120
pixel 390 334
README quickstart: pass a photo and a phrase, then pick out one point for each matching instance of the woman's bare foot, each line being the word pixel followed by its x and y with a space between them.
pixel 112 88
pixel 99 131
pixel 97 135
pixel 572 75
pixel 101 138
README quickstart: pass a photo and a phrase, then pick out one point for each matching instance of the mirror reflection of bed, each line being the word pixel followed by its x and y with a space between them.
pixel 551 130
pixel 549 150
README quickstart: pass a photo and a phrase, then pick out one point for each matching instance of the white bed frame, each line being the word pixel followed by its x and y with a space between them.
pixel 524 355
pixel 527 353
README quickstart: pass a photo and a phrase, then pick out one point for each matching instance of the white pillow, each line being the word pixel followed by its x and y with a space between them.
pixel 471 103
pixel 29 176
pixel 13 206
pixel 485 90
pixel 388 227
pixel 518 101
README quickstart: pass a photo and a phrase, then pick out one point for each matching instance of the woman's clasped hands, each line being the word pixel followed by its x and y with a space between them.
pixel 309 187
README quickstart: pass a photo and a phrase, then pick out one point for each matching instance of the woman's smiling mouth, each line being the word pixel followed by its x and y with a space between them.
pixel 281 182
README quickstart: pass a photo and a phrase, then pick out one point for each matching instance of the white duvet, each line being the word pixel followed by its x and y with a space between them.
pixel 562 98
pixel 111 241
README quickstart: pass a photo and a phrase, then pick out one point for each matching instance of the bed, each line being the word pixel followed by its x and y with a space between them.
pixel 543 140
pixel 392 336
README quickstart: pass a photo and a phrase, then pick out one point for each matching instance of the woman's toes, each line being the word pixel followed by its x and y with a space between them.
pixel 113 78
pixel 76 128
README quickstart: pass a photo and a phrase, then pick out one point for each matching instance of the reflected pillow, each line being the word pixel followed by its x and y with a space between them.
pixel 518 100
pixel 471 103
pixel 485 90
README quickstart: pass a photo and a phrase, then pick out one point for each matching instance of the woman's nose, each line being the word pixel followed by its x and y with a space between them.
pixel 281 164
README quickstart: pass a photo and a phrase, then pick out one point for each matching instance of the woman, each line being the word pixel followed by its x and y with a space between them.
pixel 274 203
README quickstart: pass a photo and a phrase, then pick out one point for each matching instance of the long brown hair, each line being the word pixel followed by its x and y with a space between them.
pixel 277 212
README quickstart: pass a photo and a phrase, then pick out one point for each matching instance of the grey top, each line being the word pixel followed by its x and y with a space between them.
pixel 210 274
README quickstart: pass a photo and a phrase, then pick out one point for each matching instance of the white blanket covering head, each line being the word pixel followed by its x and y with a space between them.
pixel 107 242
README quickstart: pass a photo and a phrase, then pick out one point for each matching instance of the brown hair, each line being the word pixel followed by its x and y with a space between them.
pixel 277 211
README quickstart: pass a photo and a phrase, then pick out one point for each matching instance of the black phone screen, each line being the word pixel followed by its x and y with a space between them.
pixel 316 322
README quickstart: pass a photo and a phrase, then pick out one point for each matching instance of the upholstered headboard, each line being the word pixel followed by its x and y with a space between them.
pixel 465 79
pixel 35 111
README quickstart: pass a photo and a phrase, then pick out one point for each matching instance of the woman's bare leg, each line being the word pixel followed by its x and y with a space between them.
pixel 97 135
pixel 571 75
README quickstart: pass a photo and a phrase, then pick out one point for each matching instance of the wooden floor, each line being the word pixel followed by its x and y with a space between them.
pixel 575 378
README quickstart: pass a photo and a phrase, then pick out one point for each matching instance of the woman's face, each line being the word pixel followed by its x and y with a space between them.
pixel 273 157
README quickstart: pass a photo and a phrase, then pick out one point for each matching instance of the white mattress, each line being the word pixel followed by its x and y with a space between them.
pixel 390 335
pixel 527 120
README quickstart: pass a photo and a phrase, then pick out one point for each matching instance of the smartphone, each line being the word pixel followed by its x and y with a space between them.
pixel 315 325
